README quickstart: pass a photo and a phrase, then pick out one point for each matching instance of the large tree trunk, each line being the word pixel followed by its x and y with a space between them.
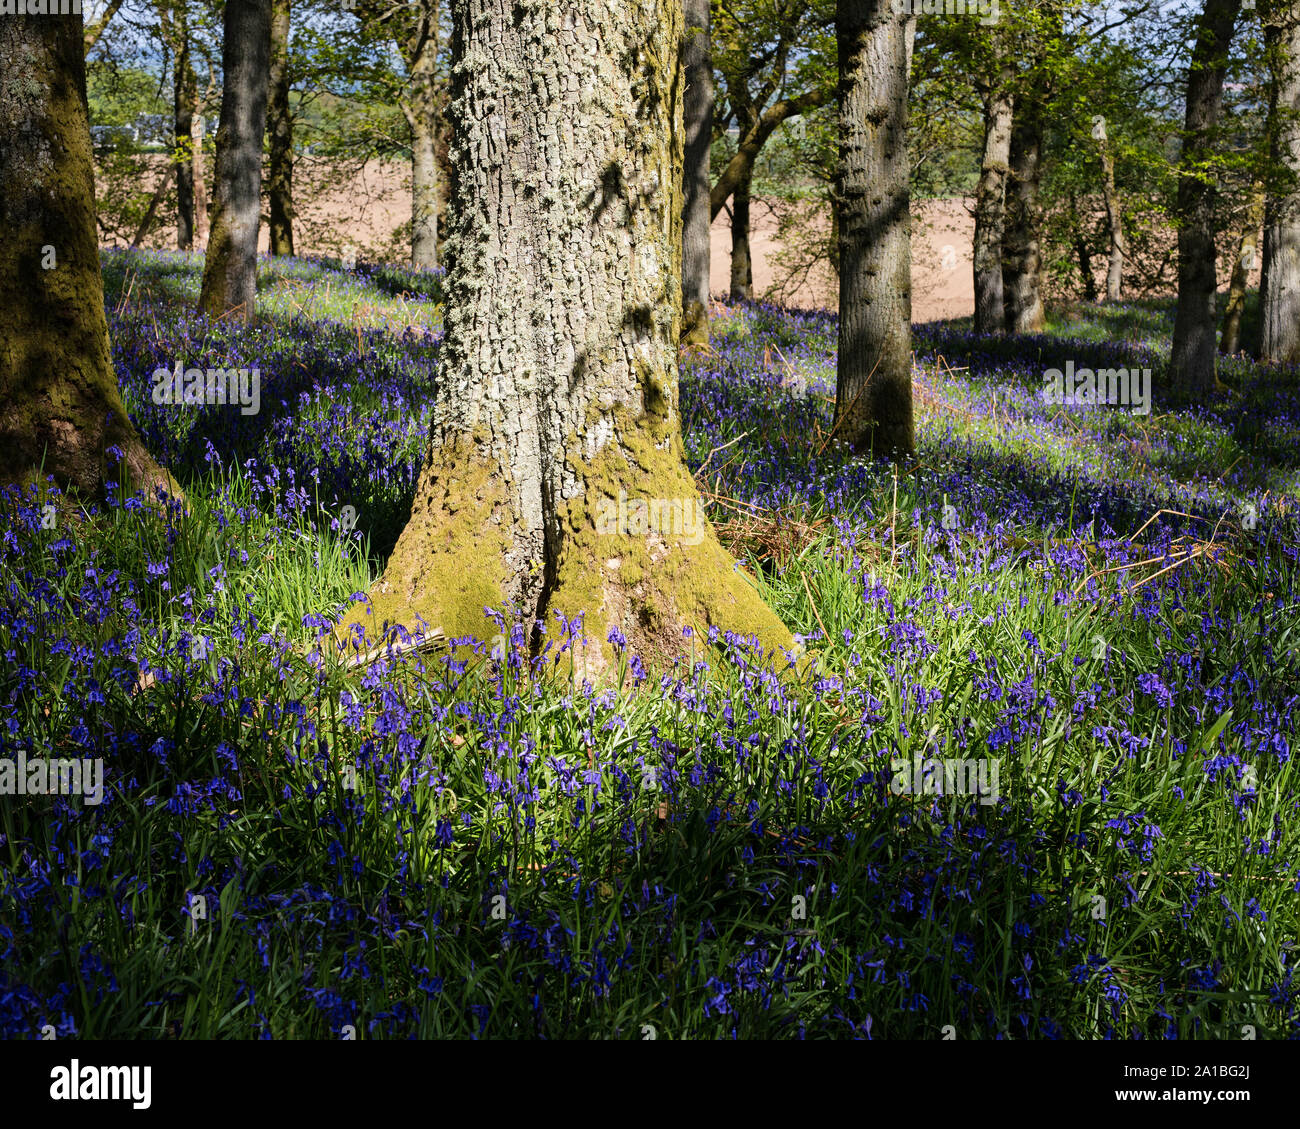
pixel 420 107
pixel 742 266
pixel 1022 263
pixel 1280 294
pixel 990 210
pixel 230 269
pixel 60 409
pixel 556 415
pixel 184 96
pixel 1192 354
pixel 873 391
pixel 1114 215
pixel 1247 248
pixel 697 65
pixel 279 128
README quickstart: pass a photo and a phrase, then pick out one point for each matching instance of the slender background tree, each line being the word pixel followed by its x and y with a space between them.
pixel 1192 354
pixel 230 269
pixel 1280 290
pixel 873 391
pixel 697 63
pixel 279 130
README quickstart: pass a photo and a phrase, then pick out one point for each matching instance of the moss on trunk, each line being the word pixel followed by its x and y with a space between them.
pixel 60 409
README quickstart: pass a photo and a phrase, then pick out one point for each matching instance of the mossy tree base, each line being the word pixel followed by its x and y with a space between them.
pixel 651 585
pixel 450 561
pixel 695 327
pixel 60 409
pixel 652 575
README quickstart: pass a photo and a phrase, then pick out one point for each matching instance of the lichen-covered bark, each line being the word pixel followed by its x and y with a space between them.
pixel 697 64
pixel 558 378
pixel 1022 262
pixel 59 402
pixel 1192 353
pixel 279 129
pixel 1280 287
pixel 230 268
pixel 873 392
pixel 990 208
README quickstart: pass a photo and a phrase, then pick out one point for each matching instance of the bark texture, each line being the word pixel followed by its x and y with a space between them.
pixel 59 401
pixel 990 210
pixel 697 64
pixel 873 393
pixel 1192 354
pixel 1022 262
pixel 279 129
pixel 230 268
pixel 558 381
pixel 1280 298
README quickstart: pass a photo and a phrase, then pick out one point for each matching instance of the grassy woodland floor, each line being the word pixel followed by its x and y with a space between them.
pixel 729 854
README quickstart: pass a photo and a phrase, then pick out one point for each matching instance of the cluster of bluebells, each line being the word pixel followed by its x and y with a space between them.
pixel 606 846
